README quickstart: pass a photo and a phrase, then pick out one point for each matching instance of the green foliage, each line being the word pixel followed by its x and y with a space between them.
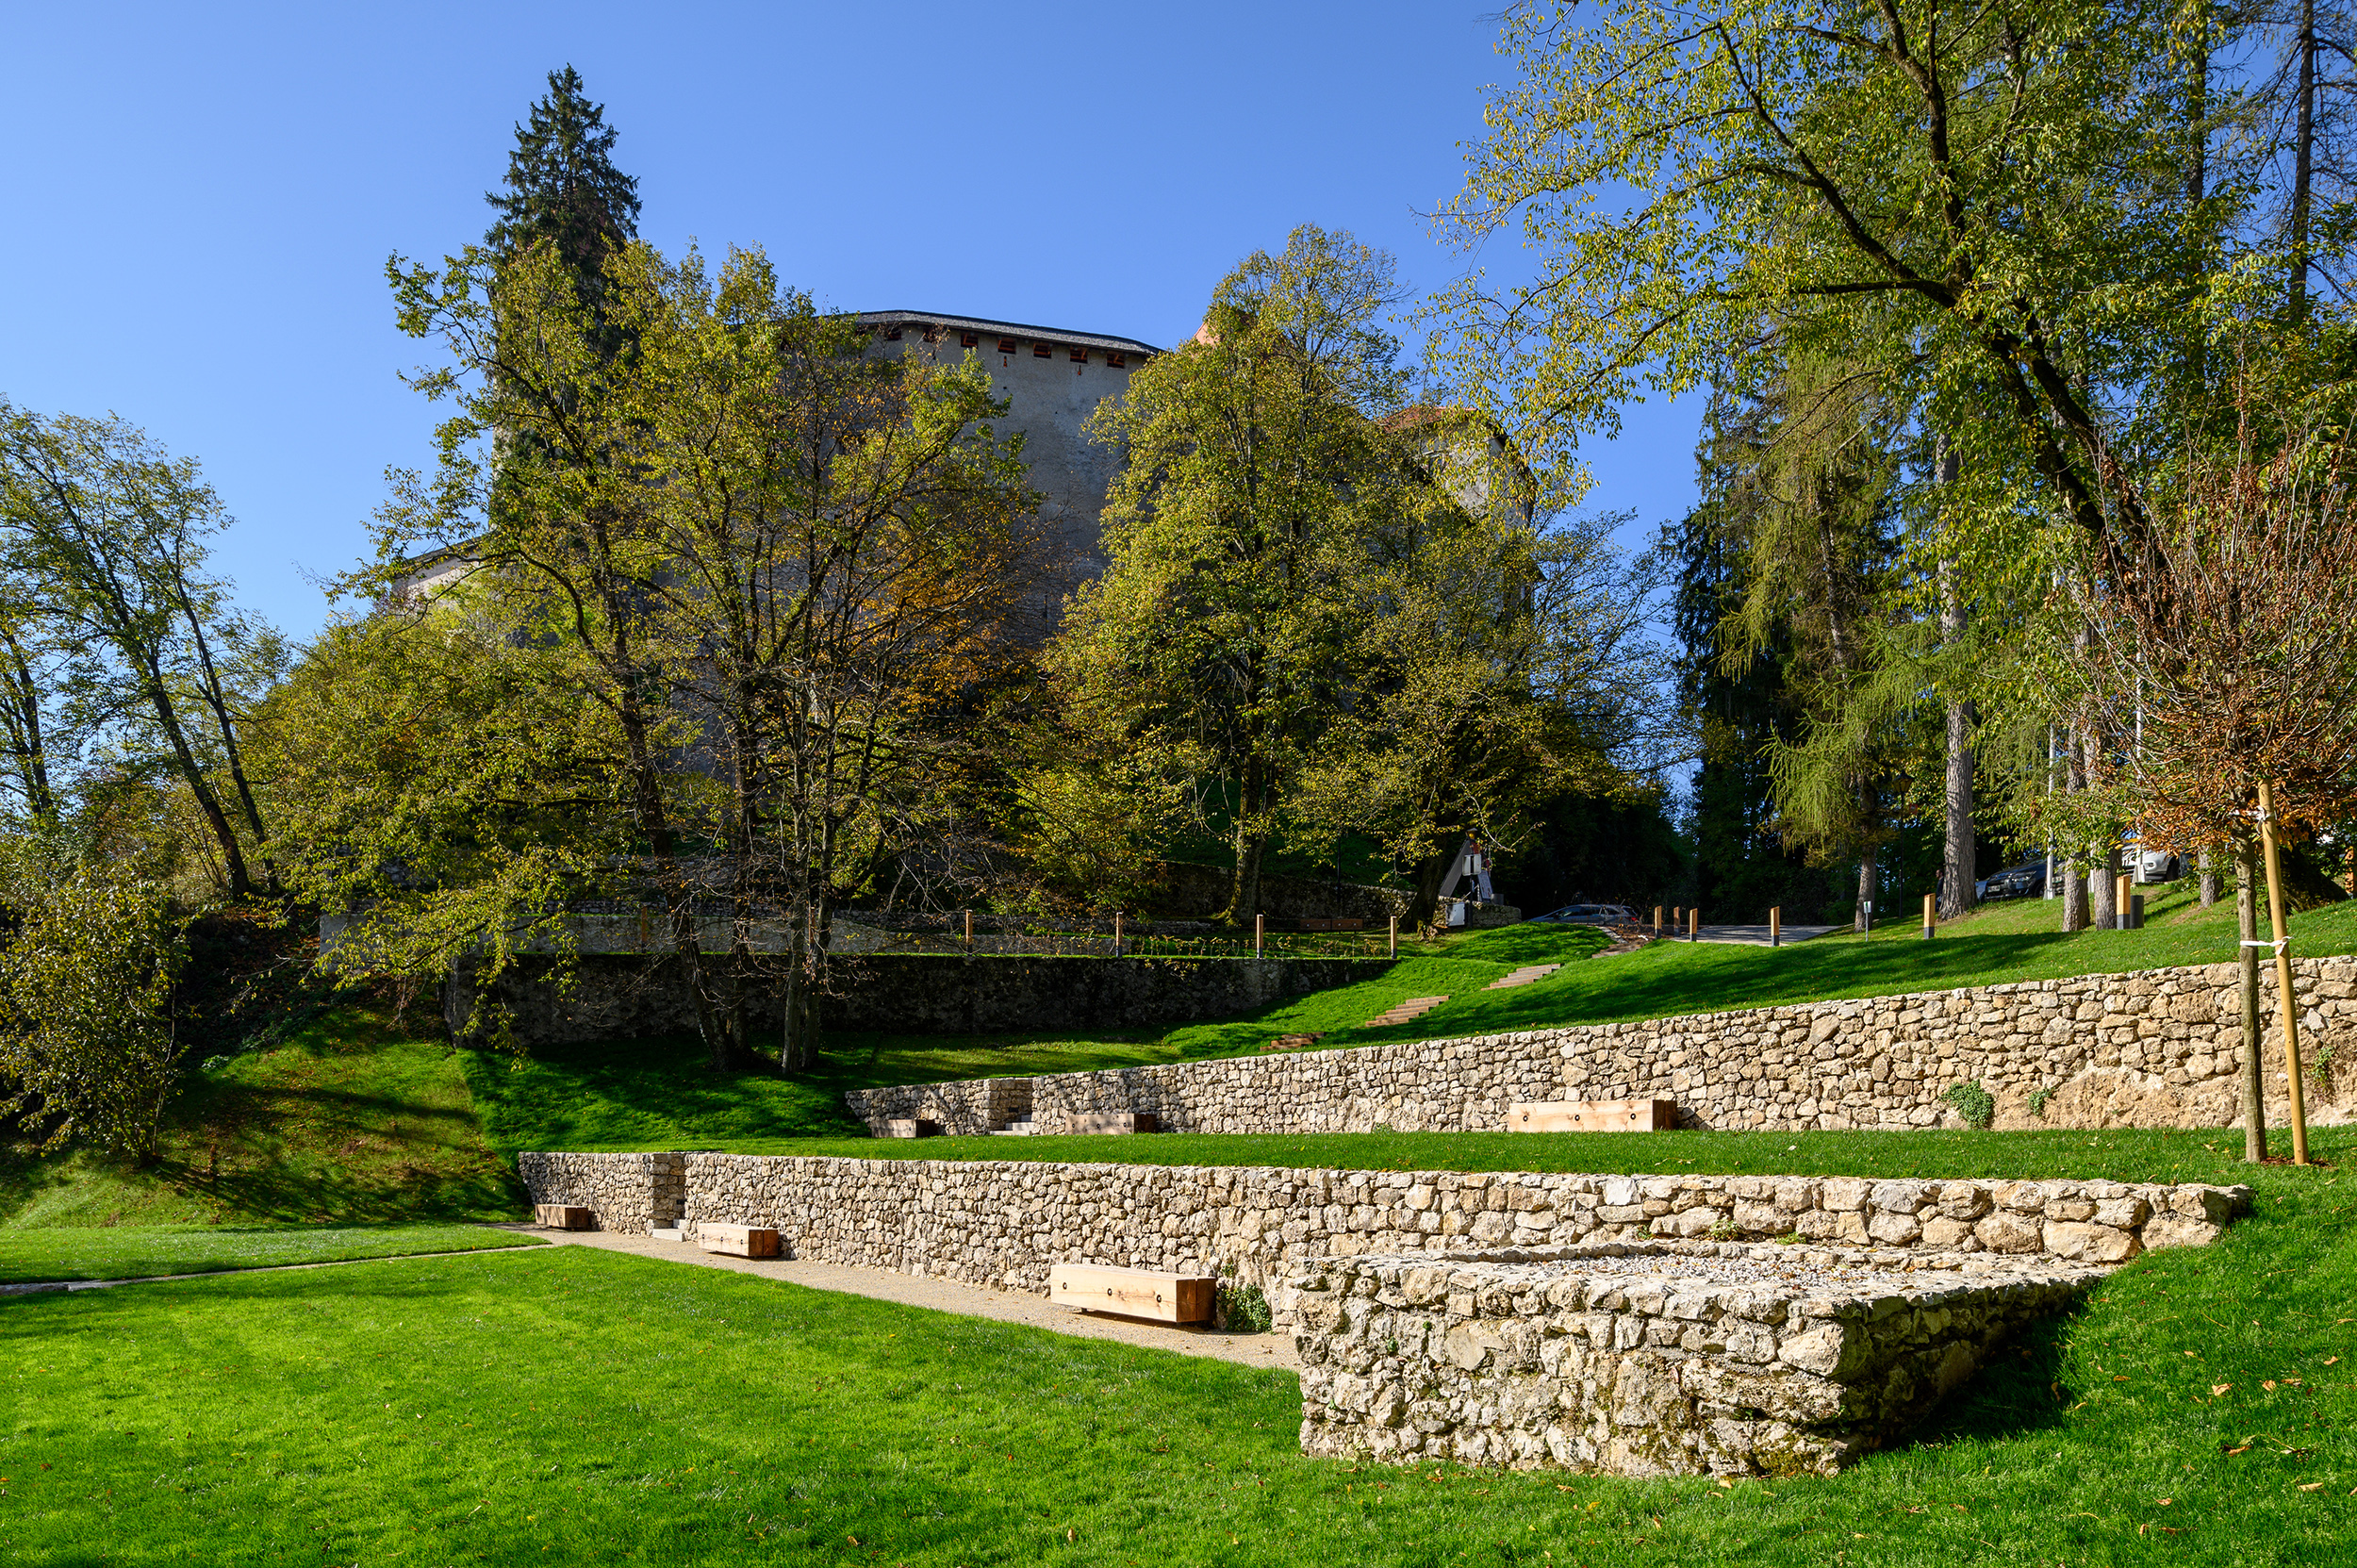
pixel 116 641
pixel 2037 1101
pixel 463 1408
pixel 1975 1104
pixel 562 191
pixel 86 1043
pixel 1243 1309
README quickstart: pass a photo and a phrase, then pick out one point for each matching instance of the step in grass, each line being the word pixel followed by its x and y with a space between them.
pixel 130 1252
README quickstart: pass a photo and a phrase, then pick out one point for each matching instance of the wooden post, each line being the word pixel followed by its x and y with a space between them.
pixel 1260 933
pixel 2285 1003
pixel 969 931
pixel 1116 934
pixel 2119 903
pixel 1776 927
pixel 1694 924
pixel 1395 936
pixel 1931 920
pixel 1656 922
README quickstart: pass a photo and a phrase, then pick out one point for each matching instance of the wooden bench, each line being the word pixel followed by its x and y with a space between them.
pixel 1593 1116
pixel 563 1216
pixel 737 1241
pixel 1113 1121
pixel 911 1126
pixel 1132 1292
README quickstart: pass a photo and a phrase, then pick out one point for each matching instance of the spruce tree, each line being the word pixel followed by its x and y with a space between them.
pixel 562 188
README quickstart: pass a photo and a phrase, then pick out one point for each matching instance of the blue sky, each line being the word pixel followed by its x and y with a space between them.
pixel 200 199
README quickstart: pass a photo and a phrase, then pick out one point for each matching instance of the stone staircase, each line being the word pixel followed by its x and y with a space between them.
pixel 1405 1012
pixel 1009 1107
pixel 1523 975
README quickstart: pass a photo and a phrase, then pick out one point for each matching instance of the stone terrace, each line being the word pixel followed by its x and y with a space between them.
pixel 1645 1366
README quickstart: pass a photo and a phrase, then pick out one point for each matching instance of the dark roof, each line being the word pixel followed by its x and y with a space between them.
pixel 1004 329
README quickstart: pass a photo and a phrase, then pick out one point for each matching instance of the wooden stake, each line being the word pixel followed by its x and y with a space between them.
pixel 1116 934
pixel 2285 1001
pixel 1656 922
pixel 1694 924
pixel 969 931
pixel 1931 921
pixel 1260 931
pixel 1776 927
pixel 2120 903
pixel 1395 936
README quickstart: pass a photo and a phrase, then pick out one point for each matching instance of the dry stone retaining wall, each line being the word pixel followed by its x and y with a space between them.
pixel 2155 1049
pixel 1006 1223
pixel 629 1193
pixel 1643 1367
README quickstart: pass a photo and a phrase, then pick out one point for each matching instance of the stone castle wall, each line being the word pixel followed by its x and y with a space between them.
pixel 2155 1049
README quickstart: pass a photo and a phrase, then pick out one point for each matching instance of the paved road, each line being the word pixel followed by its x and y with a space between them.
pixel 1756 937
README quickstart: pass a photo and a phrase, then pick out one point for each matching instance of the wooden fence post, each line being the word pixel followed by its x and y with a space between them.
pixel 1775 926
pixel 1259 931
pixel 1931 920
pixel 1395 936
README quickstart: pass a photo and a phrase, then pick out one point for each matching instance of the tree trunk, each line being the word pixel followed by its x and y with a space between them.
pixel 1959 867
pixel 2103 890
pixel 2303 158
pixel 1867 881
pixel 2209 878
pixel 2074 890
pixel 2254 1103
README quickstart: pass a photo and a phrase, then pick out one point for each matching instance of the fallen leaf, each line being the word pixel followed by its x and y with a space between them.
pixel 2244 1449
pixel 2164 1501
pixel 2269 1385
pixel 2310 1486
pixel 2217 1389
pixel 2329 1359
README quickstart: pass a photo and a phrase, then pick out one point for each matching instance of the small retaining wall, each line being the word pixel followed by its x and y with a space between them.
pixel 2155 1049
pixel 622 997
pixel 629 1193
pixel 1007 1222
pixel 1643 1367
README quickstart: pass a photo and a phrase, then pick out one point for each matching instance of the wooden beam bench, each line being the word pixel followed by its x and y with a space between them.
pixel 1132 1292
pixel 563 1216
pixel 1593 1116
pixel 738 1240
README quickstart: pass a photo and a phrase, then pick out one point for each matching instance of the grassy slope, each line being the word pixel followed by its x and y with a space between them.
pixel 471 1408
pixel 126 1252
pixel 351 1125
pixel 660 1095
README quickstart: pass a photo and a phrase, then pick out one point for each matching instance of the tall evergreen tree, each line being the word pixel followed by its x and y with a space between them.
pixel 562 188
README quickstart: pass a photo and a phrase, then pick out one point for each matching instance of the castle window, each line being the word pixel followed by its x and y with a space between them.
pixel 1005 345
pixel 1043 351
pixel 968 340
pixel 1114 361
pixel 1080 356
pixel 892 335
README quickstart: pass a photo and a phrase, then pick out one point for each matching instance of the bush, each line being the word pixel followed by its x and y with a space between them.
pixel 1243 1310
pixel 85 1037
pixel 1976 1105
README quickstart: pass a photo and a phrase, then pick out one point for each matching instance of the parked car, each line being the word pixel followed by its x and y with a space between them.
pixel 1586 914
pixel 2025 881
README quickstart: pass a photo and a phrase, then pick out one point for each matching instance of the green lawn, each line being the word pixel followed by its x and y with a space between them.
pixel 127 1252
pixel 570 1406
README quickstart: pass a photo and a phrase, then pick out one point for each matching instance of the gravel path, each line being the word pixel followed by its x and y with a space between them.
pixel 945 1296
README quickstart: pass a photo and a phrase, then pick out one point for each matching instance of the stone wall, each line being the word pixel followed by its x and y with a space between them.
pixel 1643 1367
pixel 627 1192
pixel 1006 1223
pixel 613 996
pixel 2155 1049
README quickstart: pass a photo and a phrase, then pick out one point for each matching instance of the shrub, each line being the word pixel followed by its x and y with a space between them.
pixel 1243 1310
pixel 1976 1105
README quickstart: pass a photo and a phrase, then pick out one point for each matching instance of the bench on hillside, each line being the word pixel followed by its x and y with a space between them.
pixel 1132 1292
pixel 563 1216
pixel 1593 1116
pixel 1113 1121
pixel 738 1240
